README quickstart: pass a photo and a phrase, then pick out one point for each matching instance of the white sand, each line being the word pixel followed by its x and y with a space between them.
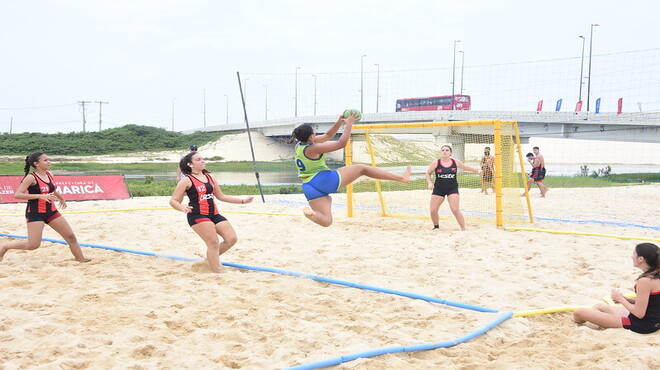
pixel 130 311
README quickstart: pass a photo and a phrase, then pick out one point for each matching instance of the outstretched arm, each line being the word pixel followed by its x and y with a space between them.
pixel 331 132
pixel 464 166
pixel 319 148
pixel 228 198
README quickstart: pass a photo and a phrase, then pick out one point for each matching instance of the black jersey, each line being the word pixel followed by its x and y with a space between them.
pixel 445 179
pixel 41 187
pixel 201 196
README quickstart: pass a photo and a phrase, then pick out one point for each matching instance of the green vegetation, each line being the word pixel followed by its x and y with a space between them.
pixel 150 187
pixel 129 138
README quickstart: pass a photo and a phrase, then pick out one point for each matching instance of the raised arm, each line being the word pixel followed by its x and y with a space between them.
pixel 319 148
pixel 331 132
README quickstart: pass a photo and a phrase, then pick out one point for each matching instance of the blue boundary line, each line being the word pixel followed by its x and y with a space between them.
pixel 399 349
pixel 344 358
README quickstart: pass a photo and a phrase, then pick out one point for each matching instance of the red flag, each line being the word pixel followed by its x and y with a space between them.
pixel 578 106
pixel 620 108
pixel 539 106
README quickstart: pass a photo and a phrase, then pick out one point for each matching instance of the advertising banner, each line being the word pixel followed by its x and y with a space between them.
pixel 72 187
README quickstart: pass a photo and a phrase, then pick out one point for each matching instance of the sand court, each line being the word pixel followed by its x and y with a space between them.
pixel 126 310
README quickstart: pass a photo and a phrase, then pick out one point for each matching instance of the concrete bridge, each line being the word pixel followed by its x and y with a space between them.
pixel 633 127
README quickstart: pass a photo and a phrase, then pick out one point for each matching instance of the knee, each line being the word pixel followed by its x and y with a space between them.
pixel 231 240
pixel 33 245
pixel 579 314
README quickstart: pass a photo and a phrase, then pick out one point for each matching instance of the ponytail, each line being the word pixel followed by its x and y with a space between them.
pixel 29 161
pixel 651 254
pixel 302 133
pixel 184 164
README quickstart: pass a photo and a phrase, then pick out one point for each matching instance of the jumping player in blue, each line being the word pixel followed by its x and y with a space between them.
pixel 642 314
pixel 446 185
pixel 38 188
pixel 318 180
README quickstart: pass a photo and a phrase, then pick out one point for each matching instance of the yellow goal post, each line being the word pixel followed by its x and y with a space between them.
pixel 397 145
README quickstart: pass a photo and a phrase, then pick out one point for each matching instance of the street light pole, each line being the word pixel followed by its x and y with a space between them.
pixel 581 68
pixel 296 94
pixel 266 106
pixel 462 68
pixel 362 82
pixel 227 109
pixel 377 85
pixel 173 99
pixel 314 94
pixel 453 76
pixel 591 39
pixel 204 90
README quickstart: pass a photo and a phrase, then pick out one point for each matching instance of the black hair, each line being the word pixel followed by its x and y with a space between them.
pixel 184 165
pixel 487 150
pixel 651 254
pixel 30 159
pixel 302 132
pixel 529 155
pixel 536 147
pixel 450 150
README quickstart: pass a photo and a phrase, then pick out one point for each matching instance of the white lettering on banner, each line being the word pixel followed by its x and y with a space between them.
pixel 447 176
pixel 79 189
pixel 206 196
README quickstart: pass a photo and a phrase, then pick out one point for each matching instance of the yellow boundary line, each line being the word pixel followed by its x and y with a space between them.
pixel 546 310
pixel 580 233
pixel 159 209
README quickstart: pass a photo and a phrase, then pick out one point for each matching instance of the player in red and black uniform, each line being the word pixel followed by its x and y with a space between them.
pixel 445 185
pixel 38 189
pixel 203 216
pixel 641 314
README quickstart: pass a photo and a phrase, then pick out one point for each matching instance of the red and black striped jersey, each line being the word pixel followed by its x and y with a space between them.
pixel 41 187
pixel 201 195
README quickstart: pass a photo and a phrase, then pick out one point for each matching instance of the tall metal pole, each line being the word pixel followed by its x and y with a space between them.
pixel 314 94
pixel 227 109
pixel 204 90
pixel 296 94
pixel 266 105
pixel 453 76
pixel 581 68
pixel 377 85
pixel 100 109
pixel 462 68
pixel 173 114
pixel 591 39
pixel 362 82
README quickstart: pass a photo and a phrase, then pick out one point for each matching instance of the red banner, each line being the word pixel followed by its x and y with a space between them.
pixel 578 106
pixel 619 106
pixel 72 187
pixel 539 106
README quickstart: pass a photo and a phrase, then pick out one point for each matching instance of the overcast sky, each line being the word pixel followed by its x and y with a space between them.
pixel 146 57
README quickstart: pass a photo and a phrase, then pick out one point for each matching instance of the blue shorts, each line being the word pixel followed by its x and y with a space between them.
pixel 322 184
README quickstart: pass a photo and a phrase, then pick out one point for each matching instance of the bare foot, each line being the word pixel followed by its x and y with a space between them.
pixel 545 192
pixel 308 212
pixel 84 260
pixel 406 175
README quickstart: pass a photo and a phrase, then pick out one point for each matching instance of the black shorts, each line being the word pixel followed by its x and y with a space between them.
pixel 538 174
pixel 196 218
pixel 44 217
pixel 640 326
pixel 444 191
